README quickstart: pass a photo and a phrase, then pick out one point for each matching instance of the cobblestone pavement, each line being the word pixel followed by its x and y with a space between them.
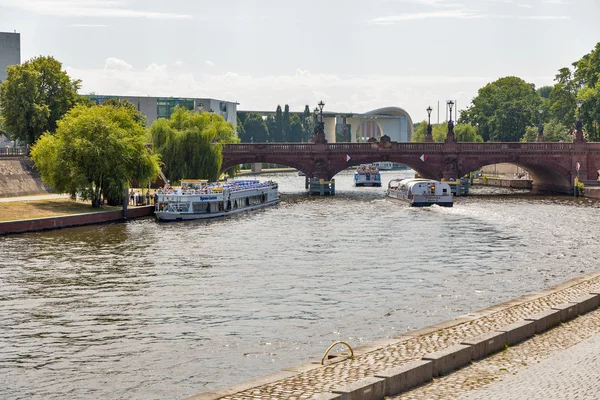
pixel 306 385
pixel 558 364
pixel 566 375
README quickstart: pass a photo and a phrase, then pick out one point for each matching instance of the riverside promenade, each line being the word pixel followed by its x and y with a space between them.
pixel 513 350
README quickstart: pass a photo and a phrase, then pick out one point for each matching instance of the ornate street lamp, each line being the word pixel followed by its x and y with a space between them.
pixel 321 105
pixel 450 134
pixel 540 136
pixel 579 126
pixel 319 125
pixel 429 137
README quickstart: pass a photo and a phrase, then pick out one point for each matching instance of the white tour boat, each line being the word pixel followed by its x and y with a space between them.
pixel 420 192
pixel 367 175
pixel 198 199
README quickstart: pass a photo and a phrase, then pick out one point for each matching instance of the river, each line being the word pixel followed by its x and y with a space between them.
pixel 148 310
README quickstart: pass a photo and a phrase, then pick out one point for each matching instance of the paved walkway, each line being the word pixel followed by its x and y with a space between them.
pixel 34 197
pixel 308 381
pixel 561 363
pixel 569 374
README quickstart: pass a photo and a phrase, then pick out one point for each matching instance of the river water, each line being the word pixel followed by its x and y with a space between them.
pixel 148 310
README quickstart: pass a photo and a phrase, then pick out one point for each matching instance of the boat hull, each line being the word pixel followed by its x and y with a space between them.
pixel 378 184
pixel 422 201
pixel 188 216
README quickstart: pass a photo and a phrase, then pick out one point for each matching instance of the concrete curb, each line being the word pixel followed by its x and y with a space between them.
pixel 404 377
pixel 73 220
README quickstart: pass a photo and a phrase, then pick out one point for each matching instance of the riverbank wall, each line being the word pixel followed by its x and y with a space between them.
pixel 392 366
pixel 67 221
pixel 18 177
pixel 504 182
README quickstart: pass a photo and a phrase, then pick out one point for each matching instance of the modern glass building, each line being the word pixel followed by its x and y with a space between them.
pixel 162 107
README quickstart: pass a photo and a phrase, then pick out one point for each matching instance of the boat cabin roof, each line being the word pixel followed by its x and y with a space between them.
pixel 411 182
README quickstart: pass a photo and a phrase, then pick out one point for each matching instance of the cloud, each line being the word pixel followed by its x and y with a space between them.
pixel 558 2
pixel 433 3
pixel 459 14
pixel 525 5
pixel 343 93
pixel 208 62
pixel 115 64
pixel 454 14
pixel 87 8
pixel 88 26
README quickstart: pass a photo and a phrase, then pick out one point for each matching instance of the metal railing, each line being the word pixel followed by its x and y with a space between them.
pixel 13 152
pixel 332 346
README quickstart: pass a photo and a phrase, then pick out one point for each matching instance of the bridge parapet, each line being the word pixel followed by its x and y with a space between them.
pixel 406 147
pixel 515 146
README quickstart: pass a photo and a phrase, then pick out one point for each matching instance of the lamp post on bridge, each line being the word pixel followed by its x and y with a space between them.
pixel 540 136
pixel 319 125
pixel 450 134
pixel 429 136
pixel 579 125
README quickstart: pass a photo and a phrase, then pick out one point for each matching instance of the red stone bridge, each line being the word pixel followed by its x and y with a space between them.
pixel 552 166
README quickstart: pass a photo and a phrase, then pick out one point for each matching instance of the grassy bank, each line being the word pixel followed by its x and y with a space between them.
pixel 17 210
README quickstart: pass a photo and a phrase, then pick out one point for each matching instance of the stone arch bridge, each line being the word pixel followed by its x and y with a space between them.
pixel 551 166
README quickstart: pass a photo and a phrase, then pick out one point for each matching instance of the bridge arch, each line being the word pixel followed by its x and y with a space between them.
pixel 546 175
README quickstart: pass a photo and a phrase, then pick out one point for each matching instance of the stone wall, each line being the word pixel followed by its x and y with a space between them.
pixel 19 178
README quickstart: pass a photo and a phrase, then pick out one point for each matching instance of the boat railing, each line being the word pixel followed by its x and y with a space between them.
pixel 220 190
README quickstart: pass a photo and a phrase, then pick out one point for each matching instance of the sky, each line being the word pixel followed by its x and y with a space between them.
pixel 354 55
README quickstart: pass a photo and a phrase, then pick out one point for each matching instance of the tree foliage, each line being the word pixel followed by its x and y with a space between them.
pixel 34 96
pixel 276 132
pixel 296 130
pixel 503 109
pixel 139 117
pixel 255 129
pixel 96 151
pixel 462 132
pixel 286 125
pixel 554 131
pixel 190 143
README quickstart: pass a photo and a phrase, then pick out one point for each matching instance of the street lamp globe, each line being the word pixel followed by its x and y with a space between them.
pixel 321 105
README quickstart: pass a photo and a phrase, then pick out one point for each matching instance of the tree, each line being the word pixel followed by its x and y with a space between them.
pixel 295 130
pixel 544 91
pixel 271 129
pixel 503 109
pixel 286 125
pixel 34 96
pixel 256 128
pixel 96 151
pixel 190 143
pixel 277 133
pixel 562 98
pixel 307 122
pixel 241 132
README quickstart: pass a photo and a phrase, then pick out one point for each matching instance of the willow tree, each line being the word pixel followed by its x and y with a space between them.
pixel 96 151
pixel 190 143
